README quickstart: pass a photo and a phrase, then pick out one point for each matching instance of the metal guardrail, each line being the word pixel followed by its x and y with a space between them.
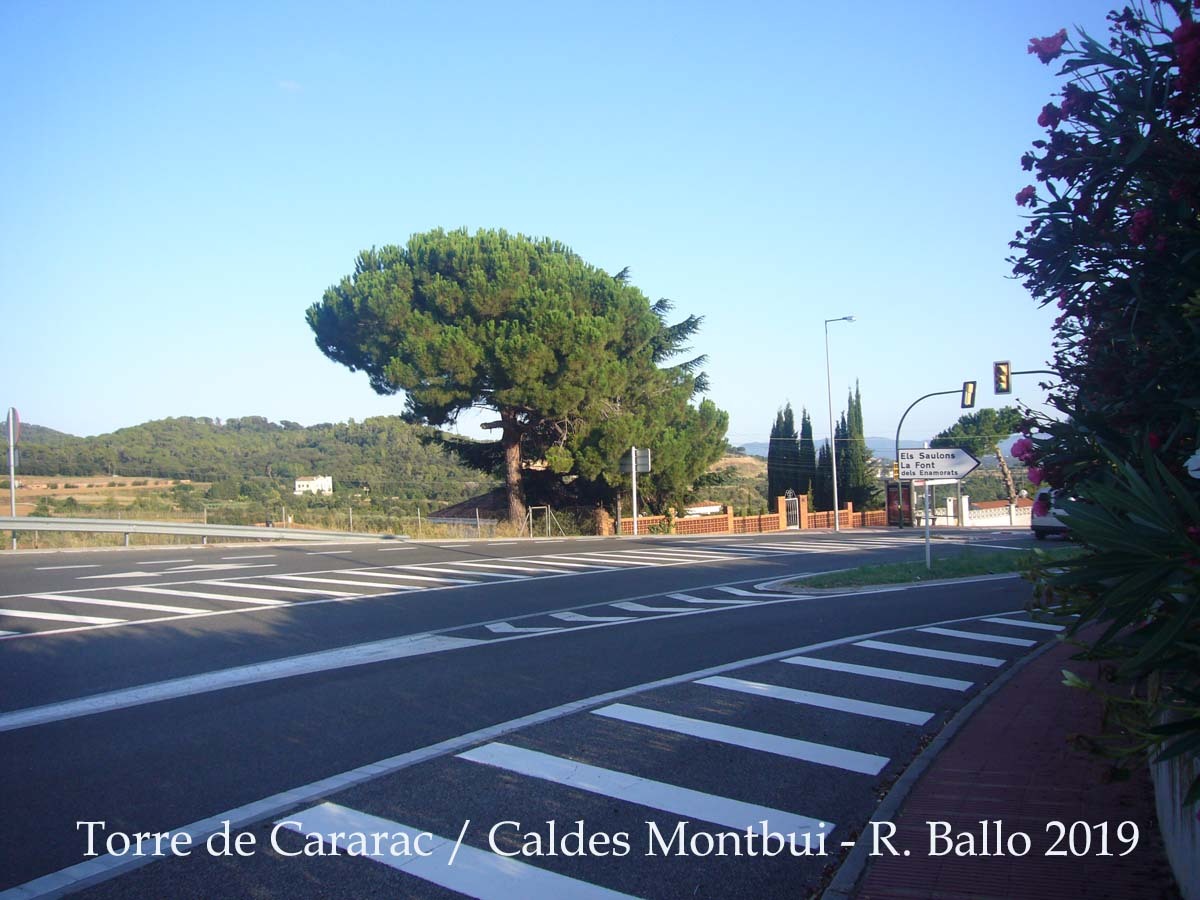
pixel 195 529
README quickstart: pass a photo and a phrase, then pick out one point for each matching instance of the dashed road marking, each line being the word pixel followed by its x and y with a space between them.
pixel 129 604
pixel 824 701
pixel 976 636
pixel 1041 626
pixel 206 595
pixel 833 665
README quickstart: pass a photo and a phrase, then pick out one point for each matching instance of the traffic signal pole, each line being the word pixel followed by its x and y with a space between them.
pixel 961 392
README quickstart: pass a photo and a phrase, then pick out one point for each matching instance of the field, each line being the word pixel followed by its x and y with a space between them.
pixel 90 492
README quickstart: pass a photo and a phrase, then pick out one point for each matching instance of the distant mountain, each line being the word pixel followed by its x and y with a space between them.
pixel 38 434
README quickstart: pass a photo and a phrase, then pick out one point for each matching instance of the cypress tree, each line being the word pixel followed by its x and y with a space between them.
pixel 807 458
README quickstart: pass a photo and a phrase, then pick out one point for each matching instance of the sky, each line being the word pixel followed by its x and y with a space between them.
pixel 181 181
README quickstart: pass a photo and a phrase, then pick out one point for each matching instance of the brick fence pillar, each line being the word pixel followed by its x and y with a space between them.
pixel 850 514
pixel 804 511
pixel 729 519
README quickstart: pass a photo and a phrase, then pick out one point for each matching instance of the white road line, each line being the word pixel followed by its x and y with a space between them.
pixel 255 673
pixel 688 598
pixel 63 598
pixel 371 584
pixel 640 607
pixel 976 636
pixel 738 592
pixel 203 595
pixel 614 560
pixel 122 575
pixel 824 701
pixel 1041 626
pixel 541 570
pixel 569 561
pixel 679 801
pixel 55 568
pixel 509 628
pixel 500 543
pixel 472 572
pixel 393 549
pixel 277 588
pixel 657 556
pixel 256 556
pixel 165 562
pixel 57 617
pixel 821 754
pixel 832 665
pixel 580 617
pixel 325 552
pixel 397 574
pixel 9 632
pixel 971 658
pixel 681 554
pixel 475 873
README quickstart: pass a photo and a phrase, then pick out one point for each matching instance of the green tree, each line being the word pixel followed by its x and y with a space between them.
pixel 567 355
pixel 823 481
pixel 980 433
pixel 807 458
pixel 783 457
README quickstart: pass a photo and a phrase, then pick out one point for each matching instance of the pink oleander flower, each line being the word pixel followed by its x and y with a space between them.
pixel 1035 475
pixel 1154 440
pixel 1187 50
pixel 1041 507
pixel 1139 225
pixel 1048 48
pixel 1050 116
pixel 1022 449
pixel 1026 195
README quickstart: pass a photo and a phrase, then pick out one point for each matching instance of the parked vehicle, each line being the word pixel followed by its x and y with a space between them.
pixel 1048 523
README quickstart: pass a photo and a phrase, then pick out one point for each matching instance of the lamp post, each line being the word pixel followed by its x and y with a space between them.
pixel 832 428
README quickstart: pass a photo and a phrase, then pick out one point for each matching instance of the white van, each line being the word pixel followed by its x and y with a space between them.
pixel 1049 523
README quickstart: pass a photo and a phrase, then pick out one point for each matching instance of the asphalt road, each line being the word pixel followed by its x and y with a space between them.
pixel 352 693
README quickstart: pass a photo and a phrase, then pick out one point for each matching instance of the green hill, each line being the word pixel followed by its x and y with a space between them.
pixel 382 456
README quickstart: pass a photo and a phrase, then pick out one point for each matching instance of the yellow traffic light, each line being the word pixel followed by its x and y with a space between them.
pixel 895 470
pixel 1002 377
pixel 968 395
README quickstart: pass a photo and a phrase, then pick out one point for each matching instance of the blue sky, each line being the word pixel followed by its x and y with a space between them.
pixel 181 181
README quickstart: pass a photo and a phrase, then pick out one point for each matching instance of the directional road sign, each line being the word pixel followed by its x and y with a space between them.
pixel 944 462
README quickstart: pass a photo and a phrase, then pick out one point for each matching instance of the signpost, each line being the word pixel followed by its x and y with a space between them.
pixel 636 461
pixel 930 465
pixel 14 432
pixel 946 462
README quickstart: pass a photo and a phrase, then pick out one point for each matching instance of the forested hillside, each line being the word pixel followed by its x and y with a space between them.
pixel 384 456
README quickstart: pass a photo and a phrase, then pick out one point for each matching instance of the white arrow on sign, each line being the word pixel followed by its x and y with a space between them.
pixel 944 462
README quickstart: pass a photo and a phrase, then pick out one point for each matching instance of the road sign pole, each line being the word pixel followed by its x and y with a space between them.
pixel 633 459
pixel 928 561
pixel 12 468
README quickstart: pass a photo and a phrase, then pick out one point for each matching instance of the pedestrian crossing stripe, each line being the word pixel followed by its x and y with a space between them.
pixel 680 801
pixel 450 864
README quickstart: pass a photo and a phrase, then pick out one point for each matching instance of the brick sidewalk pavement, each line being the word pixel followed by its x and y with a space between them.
pixel 1013 762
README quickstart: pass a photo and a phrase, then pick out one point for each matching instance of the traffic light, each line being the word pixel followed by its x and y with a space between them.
pixel 968 395
pixel 895 470
pixel 1002 377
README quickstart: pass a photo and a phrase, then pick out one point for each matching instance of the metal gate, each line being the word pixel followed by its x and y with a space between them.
pixel 792 503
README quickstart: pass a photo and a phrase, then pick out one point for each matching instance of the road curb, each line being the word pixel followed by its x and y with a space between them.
pixel 845 880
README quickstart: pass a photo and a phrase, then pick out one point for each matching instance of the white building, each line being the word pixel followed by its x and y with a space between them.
pixel 314 484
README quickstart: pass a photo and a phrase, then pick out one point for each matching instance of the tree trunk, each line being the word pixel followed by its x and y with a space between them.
pixel 511 442
pixel 1006 474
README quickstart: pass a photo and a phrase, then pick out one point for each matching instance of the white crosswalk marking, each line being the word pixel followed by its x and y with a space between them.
pixel 976 636
pixel 680 801
pixel 580 617
pixel 738 592
pixel 822 754
pixel 57 617
pixel 688 598
pixel 509 628
pixel 824 701
pixel 206 595
pixel 1041 626
pixel 407 576
pixel 641 607
pixel 370 584
pixel 128 604
pixel 476 873
pixel 512 567
pixel 833 665
pixel 291 589
pixel 971 658
pixel 475 573
pixel 568 561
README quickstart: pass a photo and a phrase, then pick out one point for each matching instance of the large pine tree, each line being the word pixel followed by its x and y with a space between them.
pixel 808 455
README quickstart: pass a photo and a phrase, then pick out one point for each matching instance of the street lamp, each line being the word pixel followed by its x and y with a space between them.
pixel 832 428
